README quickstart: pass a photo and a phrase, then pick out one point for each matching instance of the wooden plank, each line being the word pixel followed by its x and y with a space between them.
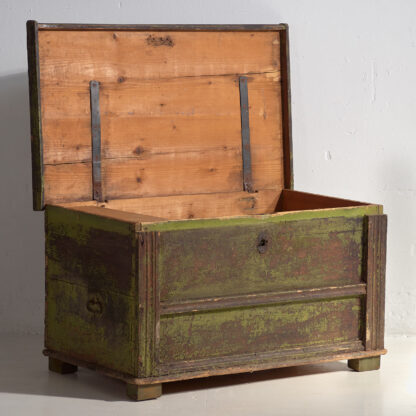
pixel 291 200
pixel 95 326
pixel 117 214
pixel 161 175
pixel 299 255
pixel 176 207
pixel 171 116
pixel 275 218
pixel 185 144
pixel 148 318
pixel 375 278
pixel 166 107
pixel 92 251
pixel 258 329
pixel 286 108
pixel 226 302
pixel 79 56
pixel 237 364
pixel 35 114
pixel 163 28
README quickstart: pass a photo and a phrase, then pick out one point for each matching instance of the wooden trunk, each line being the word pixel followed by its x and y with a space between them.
pixel 176 246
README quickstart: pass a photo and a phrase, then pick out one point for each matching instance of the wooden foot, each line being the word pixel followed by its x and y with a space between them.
pixel 146 392
pixel 364 364
pixel 61 367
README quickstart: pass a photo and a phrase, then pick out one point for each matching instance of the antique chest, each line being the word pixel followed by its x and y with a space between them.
pixel 176 246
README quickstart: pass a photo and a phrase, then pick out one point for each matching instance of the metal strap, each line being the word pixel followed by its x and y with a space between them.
pixel 97 194
pixel 245 136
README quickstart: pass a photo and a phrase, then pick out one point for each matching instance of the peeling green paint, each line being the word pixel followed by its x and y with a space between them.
pixel 202 335
pixel 196 264
pixel 263 219
pixel 103 338
pixel 77 224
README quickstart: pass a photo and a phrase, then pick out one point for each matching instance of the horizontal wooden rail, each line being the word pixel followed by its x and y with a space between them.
pixel 262 299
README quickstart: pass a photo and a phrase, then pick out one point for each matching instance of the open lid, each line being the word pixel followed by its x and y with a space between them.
pixel 135 111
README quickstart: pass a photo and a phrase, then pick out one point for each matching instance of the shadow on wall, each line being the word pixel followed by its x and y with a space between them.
pixel 21 229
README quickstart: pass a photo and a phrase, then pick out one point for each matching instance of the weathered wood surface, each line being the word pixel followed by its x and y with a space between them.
pixel 274 218
pixel 219 333
pixel 91 250
pixel 140 392
pixel 176 207
pixel 170 111
pixel 365 364
pixel 164 28
pixel 35 114
pixel 286 109
pixel 148 305
pixel 218 207
pixel 225 261
pixel 91 288
pixel 225 302
pixel 236 365
pixel 376 227
pixel 315 298
pixel 96 326
pixel 138 56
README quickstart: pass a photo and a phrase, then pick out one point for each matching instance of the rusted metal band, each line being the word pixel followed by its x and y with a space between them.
pixel 245 136
pixel 97 193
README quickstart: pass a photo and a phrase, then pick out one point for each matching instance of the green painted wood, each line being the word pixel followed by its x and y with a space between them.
pixel 143 392
pixel 148 304
pixel 263 219
pixel 259 329
pixel 227 261
pixel 58 366
pixel 90 250
pixel 91 288
pixel 97 327
pixel 375 270
pixel 35 114
pixel 365 364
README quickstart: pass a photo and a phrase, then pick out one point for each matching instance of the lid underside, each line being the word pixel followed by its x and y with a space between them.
pixel 169 104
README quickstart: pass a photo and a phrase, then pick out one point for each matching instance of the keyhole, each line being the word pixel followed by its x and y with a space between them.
pixel 262 244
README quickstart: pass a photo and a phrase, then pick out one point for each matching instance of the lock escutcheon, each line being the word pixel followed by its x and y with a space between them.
pixel 262 243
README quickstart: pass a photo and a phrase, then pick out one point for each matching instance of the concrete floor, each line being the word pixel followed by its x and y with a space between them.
pixel 27 388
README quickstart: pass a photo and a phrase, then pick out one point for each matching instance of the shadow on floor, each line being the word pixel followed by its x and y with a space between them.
pixel 25 371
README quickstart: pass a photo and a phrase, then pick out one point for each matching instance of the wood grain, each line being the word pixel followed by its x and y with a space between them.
pixel 78 56
pixel 176 207
pixel 375 278
pixel 203 335
pixel 169 108
pixel 291 200
pixel 305 254
pixel 235 364
pixel 160 116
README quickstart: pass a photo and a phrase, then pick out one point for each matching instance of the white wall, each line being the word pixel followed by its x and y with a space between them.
pixel 353 69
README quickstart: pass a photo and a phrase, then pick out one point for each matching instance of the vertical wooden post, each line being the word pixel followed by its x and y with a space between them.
pixel 375 277
pixel 148 304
